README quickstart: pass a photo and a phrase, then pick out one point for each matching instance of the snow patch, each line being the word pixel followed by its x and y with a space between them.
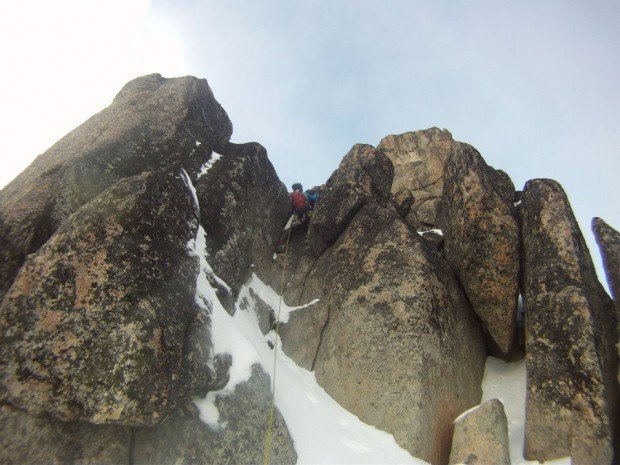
pixel 208 165
pixel 506 382
pixel 190 186
pixel 323 432
pixel 271 298
pixel 465 413
pixel 436 231
pixel 206 270
pixel 208 412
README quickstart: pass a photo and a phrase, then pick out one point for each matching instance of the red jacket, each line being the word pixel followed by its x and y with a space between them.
pixel 298 200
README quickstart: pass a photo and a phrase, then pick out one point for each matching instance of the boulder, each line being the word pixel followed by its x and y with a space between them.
pixel 94 324
pixel 481 239
pixel 389 309
pixel 30 440
pixel 184 439
pixel 364 175
pixel 152 122
pixel 418 158
pixel 481 436
pixel 571 361
pixel 243 207
pixel 395 311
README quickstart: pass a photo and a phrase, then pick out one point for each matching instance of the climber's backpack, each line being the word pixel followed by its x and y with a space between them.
pixel 298 200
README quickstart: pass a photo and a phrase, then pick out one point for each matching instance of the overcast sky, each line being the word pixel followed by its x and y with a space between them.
pixel 534 86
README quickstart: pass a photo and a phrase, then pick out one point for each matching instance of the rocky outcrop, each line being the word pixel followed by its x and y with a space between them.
pixel 392 309
pixel 608 240
pixel 243 207
pixel 364 175
pixel 481 436
pixel 94 324
pixel 185 439
pixel 101 324
pixel 111 264
pixel 32 440
pixel 570 334
pixel 481 239
pixel 412 311
pixel 152 122
pixel 418 158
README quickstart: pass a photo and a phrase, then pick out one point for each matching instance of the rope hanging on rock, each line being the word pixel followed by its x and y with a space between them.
pixel 269 434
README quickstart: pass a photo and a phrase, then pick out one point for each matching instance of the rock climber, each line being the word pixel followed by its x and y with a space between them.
pixel 300 204
pixel 312 195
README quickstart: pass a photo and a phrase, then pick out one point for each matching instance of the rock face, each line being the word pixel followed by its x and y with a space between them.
pixel 570 334
pixel 481 436
pixel 185 440
pixel 364 175
pixel 243 207
pixel 481 239
pixel 302 333
pixel 116 243
pixel 31 440
pixel 152 122
pixel 418 158
pixel 608 240
pixel 95 322
pixel 101 329
pixel 202 370
pixel 386 296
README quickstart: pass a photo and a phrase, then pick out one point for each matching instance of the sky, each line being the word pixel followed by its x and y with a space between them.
pixel 532 85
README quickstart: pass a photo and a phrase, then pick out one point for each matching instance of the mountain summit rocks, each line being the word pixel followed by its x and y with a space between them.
pixel 572 391
pixel 94 323
pixel 445 184
pixel 418 158
pixel 393 311
pixel 481 239
pixel 118 242
pixel 100 330
pixel 151 123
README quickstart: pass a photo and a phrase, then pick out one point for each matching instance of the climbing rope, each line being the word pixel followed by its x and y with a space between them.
pixel 268 436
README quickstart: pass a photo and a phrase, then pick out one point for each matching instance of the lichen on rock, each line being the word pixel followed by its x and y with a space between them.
pixel 572 393
pixel 95 321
